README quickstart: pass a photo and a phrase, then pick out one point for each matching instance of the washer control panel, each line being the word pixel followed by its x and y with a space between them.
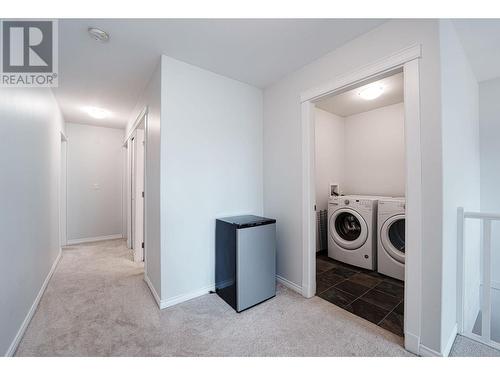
pixel 350 201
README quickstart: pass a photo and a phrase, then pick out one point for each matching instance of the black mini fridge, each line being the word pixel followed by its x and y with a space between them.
pixel 245 260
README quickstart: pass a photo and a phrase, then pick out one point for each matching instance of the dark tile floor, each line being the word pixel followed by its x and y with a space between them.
pixel 365 293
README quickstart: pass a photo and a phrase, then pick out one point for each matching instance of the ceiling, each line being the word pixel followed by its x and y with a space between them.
pixel 350 103
pixel 255 51
pixel 481 41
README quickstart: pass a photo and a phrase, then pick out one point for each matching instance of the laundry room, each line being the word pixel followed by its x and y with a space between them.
pixel 360 184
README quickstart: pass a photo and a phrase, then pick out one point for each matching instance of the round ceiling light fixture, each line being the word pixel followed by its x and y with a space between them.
pixel 371 92
pixel 98 34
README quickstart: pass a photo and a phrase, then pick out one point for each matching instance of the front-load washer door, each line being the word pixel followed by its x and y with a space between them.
pixel 348 229
pixel 392 236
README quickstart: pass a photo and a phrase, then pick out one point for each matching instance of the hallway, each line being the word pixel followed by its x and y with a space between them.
pixel 97 304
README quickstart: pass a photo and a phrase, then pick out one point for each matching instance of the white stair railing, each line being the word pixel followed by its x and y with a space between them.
pixel 465 328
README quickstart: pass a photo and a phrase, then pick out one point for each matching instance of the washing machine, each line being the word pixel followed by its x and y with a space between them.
pixel 391 237
pixel 352 223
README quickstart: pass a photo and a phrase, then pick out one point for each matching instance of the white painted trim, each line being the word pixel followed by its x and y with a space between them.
pixel 145 186
pixel 308 202
pixel 172 301
pixel 163 304
pixel 186 297
pixel 428 352
pixel 482 215
pixel 153 290
pixel 412 343
pixel 460 269
pixel 374 69
pixel 289 284
pixel 414 202
pixel 136 124
pixel 408 59
pixel 451 340
pixel 486 289
pixel 20 333
pixel 95 239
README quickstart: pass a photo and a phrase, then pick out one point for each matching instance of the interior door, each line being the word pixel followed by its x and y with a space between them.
pixel 132 191
pixel 139 196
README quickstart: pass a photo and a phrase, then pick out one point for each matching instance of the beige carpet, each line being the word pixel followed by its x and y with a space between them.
pixel 97 304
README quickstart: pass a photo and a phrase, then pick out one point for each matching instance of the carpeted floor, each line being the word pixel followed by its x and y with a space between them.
pixel 465 347
pixel 97 304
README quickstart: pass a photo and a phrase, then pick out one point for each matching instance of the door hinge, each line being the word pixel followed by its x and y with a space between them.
pixel 314 207
pixel 143 194
pixel 143 245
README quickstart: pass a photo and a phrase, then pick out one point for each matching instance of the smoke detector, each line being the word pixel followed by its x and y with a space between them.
pixel 98 34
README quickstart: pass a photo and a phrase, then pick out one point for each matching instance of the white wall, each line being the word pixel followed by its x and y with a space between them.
pixel 211 143
pixel 283 154
pixel 30 125
pixel 364 153
pixel 329 139
pixel 461 166
pixel 375 152
pixel 151 97
pixel 95 167
pixel 489 120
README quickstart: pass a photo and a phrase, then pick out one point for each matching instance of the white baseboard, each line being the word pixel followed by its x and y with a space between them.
pixel 153 290
pixel 412 343
pixel 424 351
pixel 427 352
pixel 163 304
pixel 94 239
pixel 202 291
pixel 186 297
pixel 31 312
pixel 289 284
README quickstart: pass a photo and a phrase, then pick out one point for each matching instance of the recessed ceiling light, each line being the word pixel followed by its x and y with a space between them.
pixel 96 112
pixel 98 34
pixel 371 92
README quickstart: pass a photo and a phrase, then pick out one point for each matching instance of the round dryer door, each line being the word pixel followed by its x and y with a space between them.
pixel 392 236
pixel 348 229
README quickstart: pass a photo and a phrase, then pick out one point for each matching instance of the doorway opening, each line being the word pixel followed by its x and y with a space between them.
pixel 405 63
pixel 360 187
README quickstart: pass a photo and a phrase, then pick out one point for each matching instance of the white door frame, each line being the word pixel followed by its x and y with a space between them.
pixel 408 60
